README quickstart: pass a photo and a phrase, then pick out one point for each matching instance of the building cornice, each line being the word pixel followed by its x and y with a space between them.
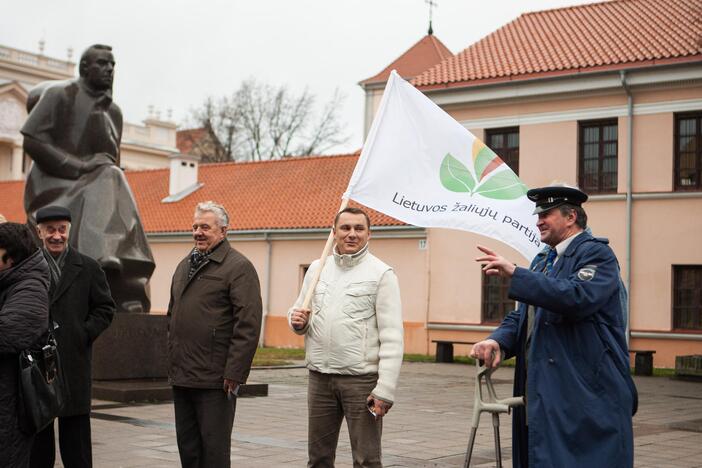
pixel 584 114
pixel 148 148
pixel 379 232
pixel 35 65
pixel 573 83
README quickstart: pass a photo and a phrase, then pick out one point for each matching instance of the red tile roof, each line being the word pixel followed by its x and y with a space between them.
pixel 12 204
pixel 294 193
pixel 427 52
pixel 592 37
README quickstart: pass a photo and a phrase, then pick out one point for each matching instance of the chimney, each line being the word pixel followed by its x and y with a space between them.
pixel 183 176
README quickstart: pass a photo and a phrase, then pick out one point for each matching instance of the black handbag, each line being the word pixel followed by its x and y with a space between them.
pixel 42 390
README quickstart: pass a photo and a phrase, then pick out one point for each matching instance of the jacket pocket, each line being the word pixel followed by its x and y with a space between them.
pixel 318 297
pixel 359 300
pixel 589 368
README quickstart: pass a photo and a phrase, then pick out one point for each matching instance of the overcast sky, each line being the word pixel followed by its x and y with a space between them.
pixel 174 53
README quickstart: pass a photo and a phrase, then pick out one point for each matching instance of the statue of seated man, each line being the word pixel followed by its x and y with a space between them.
pixel 73 134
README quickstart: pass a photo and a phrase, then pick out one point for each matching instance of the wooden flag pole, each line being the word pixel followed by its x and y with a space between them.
pixel 322 261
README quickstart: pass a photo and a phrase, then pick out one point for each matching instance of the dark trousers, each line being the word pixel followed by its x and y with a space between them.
pixel 204 419
pixel 330 399
pixel 74 443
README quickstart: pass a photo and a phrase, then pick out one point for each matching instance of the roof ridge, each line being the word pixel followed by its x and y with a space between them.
pixel 435 42
pixel 576 7
pixel 398 58
pixel 400 62
pixel 305 157
pixel 148 169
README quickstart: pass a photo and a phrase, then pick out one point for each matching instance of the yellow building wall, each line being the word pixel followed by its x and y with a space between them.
pixel 653 152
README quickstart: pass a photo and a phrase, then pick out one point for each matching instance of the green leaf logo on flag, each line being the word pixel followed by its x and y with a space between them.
pixel 455 176
pixel 504 185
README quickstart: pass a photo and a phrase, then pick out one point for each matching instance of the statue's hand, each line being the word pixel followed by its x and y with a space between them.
pixel 96 161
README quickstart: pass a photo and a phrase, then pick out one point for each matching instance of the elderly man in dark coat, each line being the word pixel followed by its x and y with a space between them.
pixel 73 134
pixel 24 318
pixel 568 335
pixel 82 307
pixel 215 322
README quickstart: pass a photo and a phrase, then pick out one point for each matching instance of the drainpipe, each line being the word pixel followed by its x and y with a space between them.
pixel 629 170
pixel 267 293
pixel 427 317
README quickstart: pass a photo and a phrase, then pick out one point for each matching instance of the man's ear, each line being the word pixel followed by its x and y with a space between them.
pixel 573 216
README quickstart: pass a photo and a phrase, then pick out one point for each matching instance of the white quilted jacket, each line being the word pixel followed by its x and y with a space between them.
pixel 356 323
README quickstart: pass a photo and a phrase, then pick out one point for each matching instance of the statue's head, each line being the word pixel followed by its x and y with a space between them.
pixel 97 67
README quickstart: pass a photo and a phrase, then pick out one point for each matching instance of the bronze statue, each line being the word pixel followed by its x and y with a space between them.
pixel 73 133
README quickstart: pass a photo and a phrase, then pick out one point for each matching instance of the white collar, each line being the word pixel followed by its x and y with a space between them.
pixel 563 245
pixel 350 260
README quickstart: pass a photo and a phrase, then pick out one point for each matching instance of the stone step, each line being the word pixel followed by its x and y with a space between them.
pixel 150 390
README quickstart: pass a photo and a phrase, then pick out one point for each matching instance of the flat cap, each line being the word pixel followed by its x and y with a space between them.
pixel 553 196
pixel 53 213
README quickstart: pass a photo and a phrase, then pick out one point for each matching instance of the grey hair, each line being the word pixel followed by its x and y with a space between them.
pixel 68 225
pixel 217 209
pixel 581 216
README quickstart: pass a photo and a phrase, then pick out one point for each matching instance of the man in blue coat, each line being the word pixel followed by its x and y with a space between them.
pixel 568 336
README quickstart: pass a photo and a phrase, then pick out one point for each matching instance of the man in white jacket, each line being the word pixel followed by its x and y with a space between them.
pixel 353 344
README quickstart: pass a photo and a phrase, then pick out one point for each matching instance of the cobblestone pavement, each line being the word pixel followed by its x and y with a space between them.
pixel 428 427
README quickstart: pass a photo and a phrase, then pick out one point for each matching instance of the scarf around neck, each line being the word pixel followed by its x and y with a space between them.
pixel 198 259
pixel 56 264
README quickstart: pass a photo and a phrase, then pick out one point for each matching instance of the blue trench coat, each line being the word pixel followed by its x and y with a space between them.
pixel 580 397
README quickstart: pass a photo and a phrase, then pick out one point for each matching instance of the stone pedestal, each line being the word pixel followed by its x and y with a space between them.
pixel 130 361
pixel 133 347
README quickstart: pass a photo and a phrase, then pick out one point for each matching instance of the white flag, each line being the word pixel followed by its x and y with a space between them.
pixel 422 167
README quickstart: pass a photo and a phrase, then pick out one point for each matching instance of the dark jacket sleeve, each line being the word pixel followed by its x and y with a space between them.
pixel 245 296
pixel 102 307
pixel 169 311
pixel 507 333
pixel 24 316
pixel 573 297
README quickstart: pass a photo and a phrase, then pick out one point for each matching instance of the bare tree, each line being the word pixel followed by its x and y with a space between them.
pixel 328 131
pixel 259 122
pixel 215 146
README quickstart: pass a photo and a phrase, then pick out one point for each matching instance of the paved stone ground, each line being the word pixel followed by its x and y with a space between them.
pixel 428 427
